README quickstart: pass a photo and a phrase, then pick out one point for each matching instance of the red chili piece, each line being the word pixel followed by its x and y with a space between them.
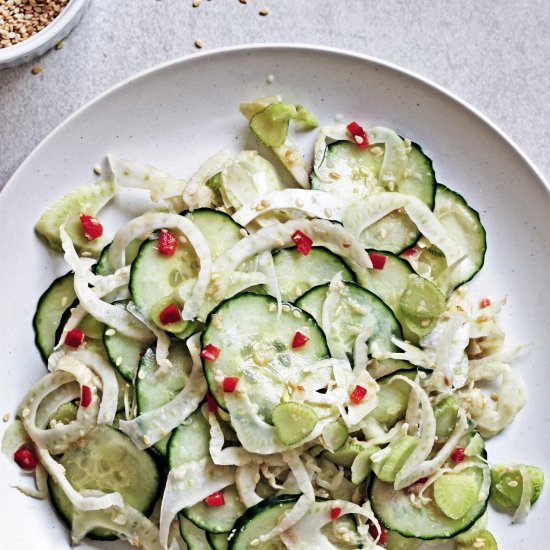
pixel 299 340
pixel 211 403
pixel 302 241
pixel 486 302
pixel 74 338
pixel 374 531
pixel 230 383
pixel 170 314
pixel 378 260
pixel 92 227
pixel 458 454
pixel 358 394
pixel 25 458
pixel 168 243
pixel 215 499
pixel 85 396
pixel 335 512
pixel 210 352
pixel 359 135
pixel 410 251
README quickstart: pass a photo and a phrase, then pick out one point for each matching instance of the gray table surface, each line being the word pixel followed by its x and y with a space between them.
pixel 494 55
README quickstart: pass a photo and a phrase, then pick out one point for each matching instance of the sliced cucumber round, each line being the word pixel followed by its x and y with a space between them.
pixel 293 421
pixel 398 513
pixel 108 461
pixel 256 346
pixel 218 541
pixel 190 441
pixel 297 273
pixel 393 398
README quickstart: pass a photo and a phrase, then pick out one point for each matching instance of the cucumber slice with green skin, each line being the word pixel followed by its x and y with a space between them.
pixel 467 537
pixel 293 422
pixel 507 484
pixel 297 273
pixel 218 541
pixel 393 398
pixel 464 224
pixel 189 442
pixel 220 230
pixel 103 266
pixel 217 519
pixel 256 347
pixel 156 277
pixel 270 126
pixel 475 447
pixel 397 457
pixel 421 299
pixel 361 310
pixel 123 352
pixel 484 540
pixel 155 390
pixel 446 414
pixel 108 461
pixel 194 537
pixel 89 200
pixel 52 305
pixel 361 167
pixel 396 511
pixel 263 517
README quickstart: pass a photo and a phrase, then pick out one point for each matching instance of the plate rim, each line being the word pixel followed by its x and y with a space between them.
pixel 283 46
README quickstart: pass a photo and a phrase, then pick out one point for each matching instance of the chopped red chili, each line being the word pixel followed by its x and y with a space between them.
pixel 458 454
pixel 74 338
pixel 486 302
pixel 299 340
pixel 211 403
pixel 25 458
pixel 410 251
pixel 302 241
pixel 210 352
pixel 358 394
pixel 215 499
pixel 230 383
pixel 168 243
pixel 335 512
pixel 92 227
pixel 375 531
pixel 378 260
pixel 170 314
pixel 359 135
pixel 85 396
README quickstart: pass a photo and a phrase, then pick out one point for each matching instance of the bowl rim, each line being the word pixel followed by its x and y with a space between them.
pixel 69 12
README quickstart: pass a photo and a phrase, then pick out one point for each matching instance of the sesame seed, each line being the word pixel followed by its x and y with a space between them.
pixel 97 170
pixel 37 69
pixel 243 232
pixel 198 43
pixel 297 314
pixel 25 413
pixel 60 45
pixel 6 417
pixel 118 361
pixel 270 79
pixel 64 301
pixel 243 1
pixel 286 308
pixel 196 3
pixel 110 332
pixel 328 212
pixel 272 307
pixel 264 11
pixel 146 440
pixel 334 175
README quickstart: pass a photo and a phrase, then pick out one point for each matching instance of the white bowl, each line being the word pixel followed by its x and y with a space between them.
pixel 47 38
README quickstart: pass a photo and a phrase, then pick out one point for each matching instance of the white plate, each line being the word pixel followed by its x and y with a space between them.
pixel 176 115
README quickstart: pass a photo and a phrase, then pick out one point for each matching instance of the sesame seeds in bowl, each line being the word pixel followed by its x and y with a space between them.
pixel 29 28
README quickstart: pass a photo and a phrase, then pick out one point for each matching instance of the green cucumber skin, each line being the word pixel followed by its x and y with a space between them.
pixel 63 283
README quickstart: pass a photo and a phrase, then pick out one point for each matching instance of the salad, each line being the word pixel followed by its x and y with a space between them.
pixel 267 361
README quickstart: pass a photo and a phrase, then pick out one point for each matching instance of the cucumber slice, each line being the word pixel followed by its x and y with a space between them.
pixel 455 494
pixel 467 537
pixel 52 305
pixel 297 273
pixel 360 310
pixel 397 457
pixel 194 537
pixel 394 541
pixel 464 224
pixel 106 460
pixel 475 447
pixel 446 414
pixel 124 352
pixel 189 442
pixel 422 299
pixel 217 519
pixel 335 435
pixel 393 398
pixel 293 422
pixel 398 513
pixel 88 199
pixel 507 484
pixel 155 390
pixel 270 126
pixel 64 414
pixel 218 541
pixel 362 465
pixel 484 540
pixel 103 266
pixel 256 346
pixel 156 277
